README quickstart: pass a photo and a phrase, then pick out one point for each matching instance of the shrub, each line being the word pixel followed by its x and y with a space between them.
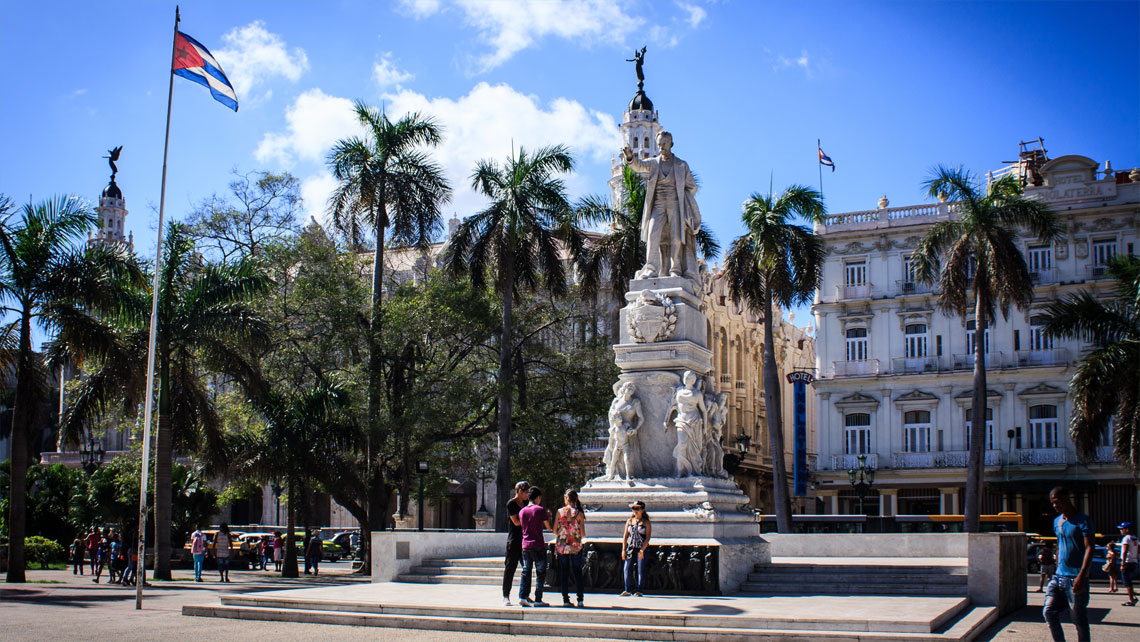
pixel 42 550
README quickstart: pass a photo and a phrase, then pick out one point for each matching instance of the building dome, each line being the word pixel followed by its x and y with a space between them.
pixel 112 191
pixel 641 101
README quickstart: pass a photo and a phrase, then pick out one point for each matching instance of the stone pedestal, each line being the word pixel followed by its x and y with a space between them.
pixel 484 521
pixel 689 507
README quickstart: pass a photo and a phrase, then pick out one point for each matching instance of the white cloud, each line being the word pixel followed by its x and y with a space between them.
pixel 251 56
pixel 482 124
pixel 802 62
pixel 315 192
pixel 510 27
pixel 386 74
pixel 696 14
pixel 314 121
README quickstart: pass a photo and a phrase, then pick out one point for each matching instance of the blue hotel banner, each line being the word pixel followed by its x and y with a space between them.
pixel 799 381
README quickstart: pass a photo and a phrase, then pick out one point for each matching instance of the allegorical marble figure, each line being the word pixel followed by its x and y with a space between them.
pixel 689 420
pixel 718 415
pixel 671 219
pixel 625 419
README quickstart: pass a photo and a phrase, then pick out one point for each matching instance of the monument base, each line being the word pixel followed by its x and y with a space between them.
pixel 685 507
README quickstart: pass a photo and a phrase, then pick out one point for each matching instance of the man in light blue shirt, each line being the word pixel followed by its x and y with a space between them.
pixel 1069 587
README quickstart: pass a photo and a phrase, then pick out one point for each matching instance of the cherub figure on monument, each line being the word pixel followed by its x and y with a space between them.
pixel 714 453
pixel 689 413
pixel 625 419
pixel 671 218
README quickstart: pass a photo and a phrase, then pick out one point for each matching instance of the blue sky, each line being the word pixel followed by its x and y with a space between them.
pixel 747 87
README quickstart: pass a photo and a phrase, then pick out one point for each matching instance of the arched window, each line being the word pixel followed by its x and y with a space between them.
pixel 1038 340
pixel 916 431
pixel 724 355
pixel 646 141
pixel 857 344
pixel 857 433
pixel 989 427
pixel 1043 427
pixel 634 145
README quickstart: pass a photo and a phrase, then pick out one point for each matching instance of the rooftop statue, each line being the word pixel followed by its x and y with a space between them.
pixel 113 155
pixel 639 61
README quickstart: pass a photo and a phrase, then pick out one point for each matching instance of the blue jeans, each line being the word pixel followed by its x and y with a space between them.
pixel 536 559
pixel 1059 595
pixel 566 563
pixel 224 568
pixel 633 561
pixel 198 557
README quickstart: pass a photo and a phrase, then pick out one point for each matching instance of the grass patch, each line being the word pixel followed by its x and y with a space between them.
pixel 46 582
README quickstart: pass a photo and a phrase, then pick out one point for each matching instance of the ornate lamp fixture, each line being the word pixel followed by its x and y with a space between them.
pixel 861 478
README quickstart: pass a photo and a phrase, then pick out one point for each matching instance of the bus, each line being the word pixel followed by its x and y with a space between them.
pixel 1000 523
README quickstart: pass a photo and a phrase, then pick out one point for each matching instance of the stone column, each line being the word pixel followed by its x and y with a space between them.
pixel 949 502
pixel 830 500
pixel 888 501
pixel 1019 504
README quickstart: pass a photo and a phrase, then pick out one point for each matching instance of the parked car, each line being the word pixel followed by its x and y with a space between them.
pixel 348 542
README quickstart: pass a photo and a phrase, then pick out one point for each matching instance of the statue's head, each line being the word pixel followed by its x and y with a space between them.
pixel 627 390
pixel 665 141
pixel 722 399
pixel 689 378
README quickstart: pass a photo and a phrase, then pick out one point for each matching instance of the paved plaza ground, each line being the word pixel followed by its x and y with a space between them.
pixel 59 606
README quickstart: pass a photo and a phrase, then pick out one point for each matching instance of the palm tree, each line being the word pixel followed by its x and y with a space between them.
pixel 206 325
pixel 302 432
pixel 47 278
pixel 515 243
pixel 621 249
pixel 977 252
pixel 386 180
pixel 1106 385
pixel 776 262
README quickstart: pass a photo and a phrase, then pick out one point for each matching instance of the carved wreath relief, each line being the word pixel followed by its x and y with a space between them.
pixel 651 318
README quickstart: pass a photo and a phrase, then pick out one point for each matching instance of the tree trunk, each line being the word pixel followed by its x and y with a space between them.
pixel 163 484
pixel 772 410
pixel 975 462
pixel 503 486
pixel 374 476
pixel 21 418
pixel 289 568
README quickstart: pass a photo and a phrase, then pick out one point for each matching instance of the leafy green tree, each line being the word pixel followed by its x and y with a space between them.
pixel 385 180
pixel 516 242
pixel 621 250
pixel 1106 384
pixel 262 211
pixel 776 262
pixel 50 280
pixel 976 256
pixel 206 327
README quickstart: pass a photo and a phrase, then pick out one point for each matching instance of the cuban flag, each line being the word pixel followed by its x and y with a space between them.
pixel 194 62
pixel 824 159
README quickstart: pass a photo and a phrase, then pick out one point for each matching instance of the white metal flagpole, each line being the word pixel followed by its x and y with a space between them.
pixel 140 581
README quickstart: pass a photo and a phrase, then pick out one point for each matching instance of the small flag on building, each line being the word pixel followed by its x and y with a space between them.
pixel 194 62
pixel 824 159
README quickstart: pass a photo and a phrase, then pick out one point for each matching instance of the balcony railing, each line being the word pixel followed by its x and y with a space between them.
pixel 847 462
pixel 1040 456
pixel 1043 277
pixel 1104 455
pixel 884 217
pixel 914 364
pixel 1098 272
pixel 913 287
pixel 740 385
pixel 912 460
pixel 960 458
pixel 725 379
pixel 966 361
pixel 865 368
pixel 1051 357
pixel 850 292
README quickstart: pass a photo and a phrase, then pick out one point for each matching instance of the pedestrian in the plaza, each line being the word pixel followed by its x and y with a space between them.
pixel 102 554
pixel 634 543
pixel 514 539
pixel 314 551
pixel 1069 588
pixel 278 551
pixel 115 564
pixel 93 541
pixel 198 551
pixel 1129 555
pixel 1112 566
pixel 570 530
pixel 265 547
pixel 131 574
pixel 305 551
pixel 1046 565
pixel 223 549
pixel 78 547
pixel 534 520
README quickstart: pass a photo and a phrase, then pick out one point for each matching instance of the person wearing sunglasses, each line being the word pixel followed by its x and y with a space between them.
pixel 634 543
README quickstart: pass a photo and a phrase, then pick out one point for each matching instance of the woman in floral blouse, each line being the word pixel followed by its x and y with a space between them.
pixel 570 529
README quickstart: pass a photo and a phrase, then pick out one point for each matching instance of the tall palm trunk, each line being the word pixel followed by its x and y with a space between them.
pixel 21 418
pixel 163 485
pixel 772 413
pixel 376 509
pixel 975 463
pixel 503 487
pixel 289 568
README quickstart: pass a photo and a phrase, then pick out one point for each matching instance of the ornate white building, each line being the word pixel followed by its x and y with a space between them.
pixel 895 372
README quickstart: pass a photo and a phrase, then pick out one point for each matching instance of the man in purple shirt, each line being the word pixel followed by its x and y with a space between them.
pixel 533 519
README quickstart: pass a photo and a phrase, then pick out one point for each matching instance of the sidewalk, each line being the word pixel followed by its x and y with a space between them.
pixel 1109 621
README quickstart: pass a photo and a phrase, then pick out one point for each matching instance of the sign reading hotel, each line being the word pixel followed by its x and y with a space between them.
pixel 799 380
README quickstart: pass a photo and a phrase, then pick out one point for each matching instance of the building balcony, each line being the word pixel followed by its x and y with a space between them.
pixel 725 379
pixel 914 364
pixel 1104 455
pixel 847 462
pixel 966 361
pixel 741 385
pixel 1040 456
pixel 1043 277
pixel 1050 357
pixel 906 288
pixel 886 217
pixel 1098 272
pixel 941 459
pixel 852 292
pixel 864 368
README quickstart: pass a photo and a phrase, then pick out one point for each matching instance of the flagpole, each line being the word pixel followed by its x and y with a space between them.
pixel 819 164
pixel 149 407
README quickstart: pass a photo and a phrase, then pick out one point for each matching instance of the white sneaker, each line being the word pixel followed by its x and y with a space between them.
pixel 625 594
pixel 525 602
pixel 506 601
pixel 638 594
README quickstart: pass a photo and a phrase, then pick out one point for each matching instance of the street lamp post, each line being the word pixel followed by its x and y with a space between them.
pixel 91 454
pixel 277 496
pixel 484 475
pixel 861 478
pixel 422 469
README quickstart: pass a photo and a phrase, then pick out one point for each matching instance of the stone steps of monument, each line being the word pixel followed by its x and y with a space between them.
pixel 470 562
pixel 554 622
pixel 472 570
pixel 783 578
pixel 763 574
pixel 786 588
pixel 450 579
pixel 484 571
pixel 860 569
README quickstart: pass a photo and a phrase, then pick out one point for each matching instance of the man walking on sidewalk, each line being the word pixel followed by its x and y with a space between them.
pixel 534 519
pixel 514 539
pixel 1069 587
pixel 1129 552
